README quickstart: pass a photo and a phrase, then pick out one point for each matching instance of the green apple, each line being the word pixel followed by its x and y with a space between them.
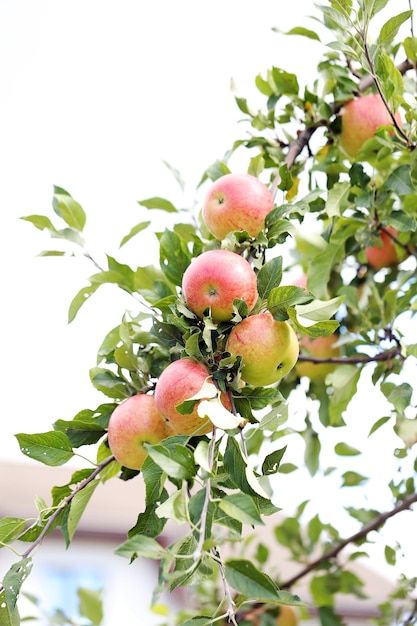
pixel 180 381
pixel 287 616
pixel 236 202
pixel 361 118
pixel 214 279
pixel 134 422
pixel 269 348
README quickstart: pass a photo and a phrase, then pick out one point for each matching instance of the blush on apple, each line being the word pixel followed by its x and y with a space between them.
pixel 269 348
pixel 361 118
pixel 322 347
pixel 134 422
pixel 236 202
pixel 214 279
pixel 180 381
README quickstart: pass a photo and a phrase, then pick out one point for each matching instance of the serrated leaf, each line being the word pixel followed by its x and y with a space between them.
pixel 8 617
pixel 77 508
pixel 317 310
pixel 13 581
pixel 51 448
pixel 243 576
pixel 269 277
pixel 134 231
pixel 390 29
pixel 79 299
pixel 10 527
pixel 178 463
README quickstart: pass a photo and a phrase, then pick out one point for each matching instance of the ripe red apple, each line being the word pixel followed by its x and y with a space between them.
pixel 287 616
pixel 322 347
pixel 361 118
pixel 135 421
pixel 180 381
pixel 269 349
pixel 214 279
pixel 237 202
pixel 384 253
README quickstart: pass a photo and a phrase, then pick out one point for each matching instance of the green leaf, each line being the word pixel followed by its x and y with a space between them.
pixel 269 277
pixel 243 576
pixel 41 222
pixel 77 302
pixel 134 231
pixel 353 479
pixel 177 463
pixel 140 546
pixel 390 555
pixel 241 507
pixel 343 449
pixel 175 507
pixel 77 508
pixel 159 203
pixel 8 617
pixel 272 462
pixel 51 448
pixel 13 581
pixel 109 383
pixel 68 209
pixel 390 29
pixel 174 256
pixel 337 199
pixel 303 32
pixel 10 527
pixel 91 605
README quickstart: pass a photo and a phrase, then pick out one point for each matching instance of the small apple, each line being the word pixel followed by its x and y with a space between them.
pixel 322 347
pixel 384 253
pixel 361 118
pixel 287 616
pixel 180 381
pixel 269 349
pixel 214 279
pixel 135 421
pixel 236 202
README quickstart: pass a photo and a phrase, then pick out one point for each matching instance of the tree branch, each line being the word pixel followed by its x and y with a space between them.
pixel 65 502
pixel 361 534
pixel 388 355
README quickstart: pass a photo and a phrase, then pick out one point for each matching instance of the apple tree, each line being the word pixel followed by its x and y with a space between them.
pixel 289 287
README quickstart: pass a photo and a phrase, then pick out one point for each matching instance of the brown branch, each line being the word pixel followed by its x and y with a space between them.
pixel 388 355
pixel 361 534
pixel 65 502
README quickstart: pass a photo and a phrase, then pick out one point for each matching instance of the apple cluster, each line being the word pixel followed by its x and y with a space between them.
pixel 214 280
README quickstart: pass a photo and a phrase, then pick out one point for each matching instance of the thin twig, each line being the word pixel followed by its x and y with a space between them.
pixel 388 355
pixel 204 512
pixel 361 534
pixel 231 606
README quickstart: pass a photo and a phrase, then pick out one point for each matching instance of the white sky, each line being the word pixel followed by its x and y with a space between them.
pixel 94 96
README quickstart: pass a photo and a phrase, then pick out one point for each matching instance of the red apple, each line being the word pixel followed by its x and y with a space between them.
pixel 214 279
pixel 269 349
pixel 384 252
pixel 361 118
pixel 322 347
pixel 180 381
pixel 237 202
pixel 135 421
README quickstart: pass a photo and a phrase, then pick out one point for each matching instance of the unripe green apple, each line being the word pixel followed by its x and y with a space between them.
pixel 214 279
pixel 384 253
pixel 180 381
pixel 237 202
pixel 269 349
pixel 361 118
pixel 135 421
pixel 322 347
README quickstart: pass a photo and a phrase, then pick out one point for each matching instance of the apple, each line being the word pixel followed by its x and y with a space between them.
pixel 269 349
pixel 287 616
pixel 322 347
pixel 135 421
pixel 384 253
pixel 361 118
pixel 214 279
pixel 180 381
pixel 236 202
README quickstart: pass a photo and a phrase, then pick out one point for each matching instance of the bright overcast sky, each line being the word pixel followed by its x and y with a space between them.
pixel 94 96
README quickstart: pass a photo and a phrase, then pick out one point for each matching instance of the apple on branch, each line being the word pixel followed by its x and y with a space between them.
pixel 214 280
pixel 269 348
pixel 134 422
pixel 236 202
pixel 180 381
pixel 321 347
pixel 384 253
pixel 361 118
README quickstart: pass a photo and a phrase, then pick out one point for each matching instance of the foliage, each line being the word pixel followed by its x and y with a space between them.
pixel 328 210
